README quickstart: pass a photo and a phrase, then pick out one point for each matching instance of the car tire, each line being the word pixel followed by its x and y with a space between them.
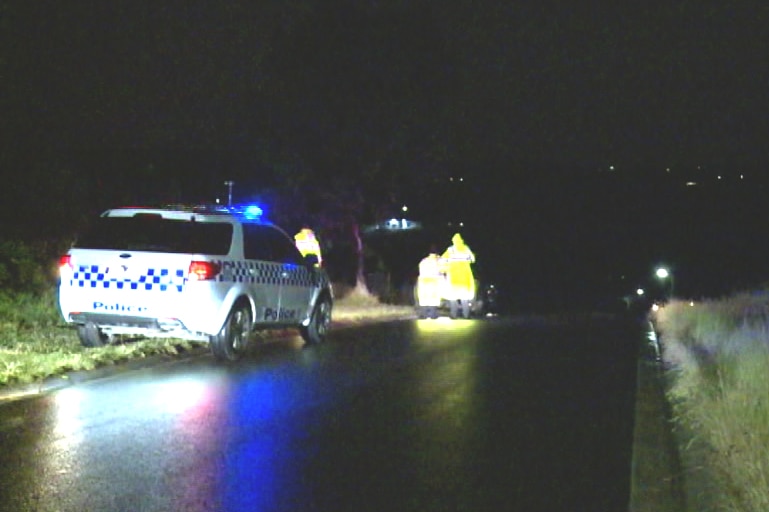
pixel 230 343
pixel 91 336
pixel 316 330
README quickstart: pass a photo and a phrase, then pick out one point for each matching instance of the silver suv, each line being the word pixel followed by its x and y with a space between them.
pixel 199 273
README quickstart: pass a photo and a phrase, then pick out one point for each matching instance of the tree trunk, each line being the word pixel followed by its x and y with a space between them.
pixel 360 275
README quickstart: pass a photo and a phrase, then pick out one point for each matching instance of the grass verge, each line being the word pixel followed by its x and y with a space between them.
pixel 36 344
pixel 717 358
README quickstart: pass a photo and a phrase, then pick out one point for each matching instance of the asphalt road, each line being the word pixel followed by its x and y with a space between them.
pixel 504 414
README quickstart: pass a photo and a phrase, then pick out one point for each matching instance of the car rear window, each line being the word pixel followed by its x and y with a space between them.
pixel 155 234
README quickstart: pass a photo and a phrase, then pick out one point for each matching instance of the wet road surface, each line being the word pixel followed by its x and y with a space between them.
pixel 476 415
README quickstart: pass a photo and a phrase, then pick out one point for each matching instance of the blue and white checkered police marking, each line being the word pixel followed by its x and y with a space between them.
pixel 259 272
pixel 238 271
pixel 245 271
pixel 298 276
pixel 161 279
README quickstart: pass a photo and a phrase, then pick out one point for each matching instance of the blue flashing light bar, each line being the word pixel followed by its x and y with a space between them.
pixel 245 211
pixel 248 211
pixel 253 212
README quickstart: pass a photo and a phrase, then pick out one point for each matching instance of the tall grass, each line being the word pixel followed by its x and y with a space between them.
pixel 28 311
pixel 717 356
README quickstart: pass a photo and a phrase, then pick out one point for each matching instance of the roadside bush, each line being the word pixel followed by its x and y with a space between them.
pixel 28 278
pixel 717 358
pixel 27 267
pixel 28 311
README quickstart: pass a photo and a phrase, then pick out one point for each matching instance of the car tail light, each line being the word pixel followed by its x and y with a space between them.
pixel 65 262
pixel 203 270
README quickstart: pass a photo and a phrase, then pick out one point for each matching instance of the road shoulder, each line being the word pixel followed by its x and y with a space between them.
pixel 656 476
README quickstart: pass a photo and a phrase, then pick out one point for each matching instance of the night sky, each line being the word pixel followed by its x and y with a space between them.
pixel 522 97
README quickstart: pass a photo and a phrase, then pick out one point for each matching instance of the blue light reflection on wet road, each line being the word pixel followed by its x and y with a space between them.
pixel 415 415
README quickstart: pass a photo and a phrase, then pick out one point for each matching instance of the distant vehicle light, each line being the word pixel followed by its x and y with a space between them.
pixel 393 225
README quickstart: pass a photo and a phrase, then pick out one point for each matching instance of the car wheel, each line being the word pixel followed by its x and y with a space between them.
pixel 232 340
pixel 91 336
pixel 315 332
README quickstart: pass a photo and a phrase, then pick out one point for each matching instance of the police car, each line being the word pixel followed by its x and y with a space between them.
pixel 200 273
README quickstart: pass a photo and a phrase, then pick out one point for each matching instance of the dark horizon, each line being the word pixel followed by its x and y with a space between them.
pixel 631 86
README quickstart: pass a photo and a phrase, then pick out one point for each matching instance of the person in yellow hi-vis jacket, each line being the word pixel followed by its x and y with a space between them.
pixel 307 243
pixel 430 285
pixel 460 289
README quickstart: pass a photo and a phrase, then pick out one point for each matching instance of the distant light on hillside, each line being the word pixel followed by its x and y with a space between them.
pixel 393 225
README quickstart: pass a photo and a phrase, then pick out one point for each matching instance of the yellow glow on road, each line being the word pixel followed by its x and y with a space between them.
pixel 445 324
pixel 447 387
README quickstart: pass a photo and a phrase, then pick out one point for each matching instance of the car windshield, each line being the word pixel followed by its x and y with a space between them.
pixel 155 234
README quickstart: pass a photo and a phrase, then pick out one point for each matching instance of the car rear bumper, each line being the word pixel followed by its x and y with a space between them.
pixel 137 325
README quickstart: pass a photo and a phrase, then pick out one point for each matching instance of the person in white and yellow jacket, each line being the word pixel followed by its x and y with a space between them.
pixel 307 243
pixel 460 289
pixel 431 284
